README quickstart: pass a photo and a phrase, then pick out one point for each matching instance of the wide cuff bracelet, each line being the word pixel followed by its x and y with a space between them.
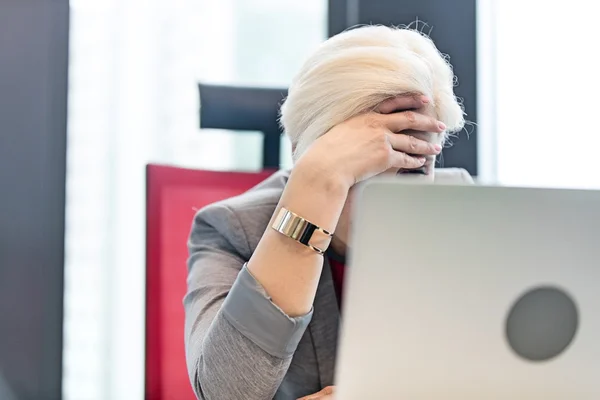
pixel 298 228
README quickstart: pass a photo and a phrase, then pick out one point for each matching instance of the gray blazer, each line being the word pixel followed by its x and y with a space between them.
pixel 240 345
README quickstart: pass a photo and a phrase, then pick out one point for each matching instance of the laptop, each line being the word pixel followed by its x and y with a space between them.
pixel 472 293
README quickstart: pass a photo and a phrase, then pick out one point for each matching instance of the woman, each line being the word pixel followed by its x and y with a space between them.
pixel 262 308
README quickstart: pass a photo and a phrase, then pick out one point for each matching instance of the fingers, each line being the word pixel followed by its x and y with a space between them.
pixel 325 394
pixel 402 103
pixel 328 390
pixel 403 160
pixel 410 152
pixel 412 145
pixel 410 120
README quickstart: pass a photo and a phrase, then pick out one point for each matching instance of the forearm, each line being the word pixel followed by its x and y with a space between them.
pixel 287 270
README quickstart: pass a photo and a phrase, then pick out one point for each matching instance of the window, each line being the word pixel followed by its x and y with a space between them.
pixel 546 99
pixel 134 71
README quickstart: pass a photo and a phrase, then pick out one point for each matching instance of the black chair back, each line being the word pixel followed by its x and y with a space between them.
pixel 245 109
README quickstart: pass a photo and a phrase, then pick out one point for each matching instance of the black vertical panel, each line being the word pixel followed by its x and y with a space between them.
pixel 453 29
pixel 33 99
pixel 337 16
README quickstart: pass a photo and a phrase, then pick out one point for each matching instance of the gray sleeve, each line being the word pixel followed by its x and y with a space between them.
pixel 239 344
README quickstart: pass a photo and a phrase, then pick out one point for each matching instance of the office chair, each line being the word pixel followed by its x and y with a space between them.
pixel 173 197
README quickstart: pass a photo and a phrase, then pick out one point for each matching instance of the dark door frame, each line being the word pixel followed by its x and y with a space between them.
pixel 344 14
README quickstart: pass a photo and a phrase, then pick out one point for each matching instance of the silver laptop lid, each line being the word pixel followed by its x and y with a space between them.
pixel 467 292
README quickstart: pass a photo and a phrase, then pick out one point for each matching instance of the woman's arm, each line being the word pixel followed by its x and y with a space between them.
pixel 239 345
pixel 239 339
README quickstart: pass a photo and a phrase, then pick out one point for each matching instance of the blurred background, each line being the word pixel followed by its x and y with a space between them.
pixel 526 71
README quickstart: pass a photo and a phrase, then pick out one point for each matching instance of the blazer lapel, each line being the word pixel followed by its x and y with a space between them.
pixel 324 326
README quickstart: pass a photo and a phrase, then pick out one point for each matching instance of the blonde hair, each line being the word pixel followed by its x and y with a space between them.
pixel 353 72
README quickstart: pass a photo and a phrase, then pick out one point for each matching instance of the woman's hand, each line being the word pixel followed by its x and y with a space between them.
pixel 371 143
pixel 325 394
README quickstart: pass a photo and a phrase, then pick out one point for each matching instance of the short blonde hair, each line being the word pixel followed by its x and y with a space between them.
pixel 353 72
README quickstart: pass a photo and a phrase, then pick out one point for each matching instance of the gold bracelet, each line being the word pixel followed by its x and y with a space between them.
pixel 298 228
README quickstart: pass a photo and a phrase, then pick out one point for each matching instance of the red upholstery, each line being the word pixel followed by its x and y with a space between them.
pixel 173 197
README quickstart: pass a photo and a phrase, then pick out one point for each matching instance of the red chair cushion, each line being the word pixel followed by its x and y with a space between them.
pixel 173 197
